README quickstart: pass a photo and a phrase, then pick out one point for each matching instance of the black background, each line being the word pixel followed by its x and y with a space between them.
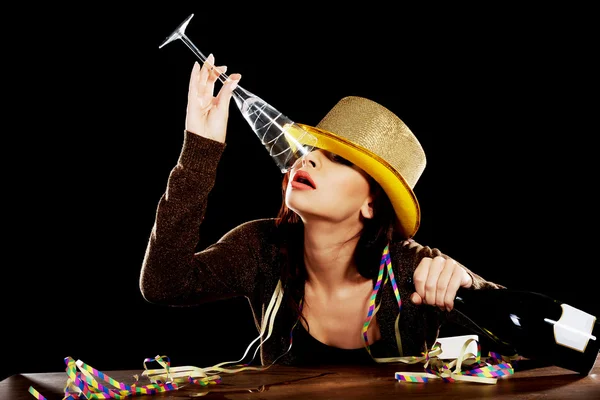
pixel 503 100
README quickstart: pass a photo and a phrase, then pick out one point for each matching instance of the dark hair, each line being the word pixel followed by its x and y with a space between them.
pixel 375 235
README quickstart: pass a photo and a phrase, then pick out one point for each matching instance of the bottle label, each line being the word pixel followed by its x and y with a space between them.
pixel 574 328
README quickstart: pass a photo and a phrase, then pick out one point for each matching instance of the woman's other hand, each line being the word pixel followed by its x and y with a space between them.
pixel 437 280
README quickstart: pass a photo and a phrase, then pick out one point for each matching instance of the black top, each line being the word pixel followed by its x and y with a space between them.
pixel 307 350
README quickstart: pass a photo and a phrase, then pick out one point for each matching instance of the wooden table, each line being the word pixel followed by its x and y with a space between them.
pixel 529 381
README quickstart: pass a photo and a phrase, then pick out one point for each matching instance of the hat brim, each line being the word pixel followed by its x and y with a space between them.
pixel 402 197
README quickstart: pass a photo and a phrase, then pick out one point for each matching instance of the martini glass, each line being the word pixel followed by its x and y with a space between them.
pixel 285 140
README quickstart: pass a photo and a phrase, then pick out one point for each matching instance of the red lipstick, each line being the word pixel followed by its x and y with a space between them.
pixel 302 180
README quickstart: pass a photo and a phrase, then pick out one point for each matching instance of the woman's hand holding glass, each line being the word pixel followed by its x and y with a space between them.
pixel 207 113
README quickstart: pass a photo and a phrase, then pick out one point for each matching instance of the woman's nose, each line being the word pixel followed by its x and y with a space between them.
pixel 310 160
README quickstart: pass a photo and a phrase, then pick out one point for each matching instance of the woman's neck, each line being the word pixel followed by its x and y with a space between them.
pixel 329 255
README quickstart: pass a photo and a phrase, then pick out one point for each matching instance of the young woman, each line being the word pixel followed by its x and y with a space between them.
pixel 336 276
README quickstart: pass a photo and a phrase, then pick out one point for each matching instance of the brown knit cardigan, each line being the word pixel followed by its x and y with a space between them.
pixel 246 262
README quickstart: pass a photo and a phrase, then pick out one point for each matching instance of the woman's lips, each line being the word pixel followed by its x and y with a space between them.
pixel 301 186
pixel 303 181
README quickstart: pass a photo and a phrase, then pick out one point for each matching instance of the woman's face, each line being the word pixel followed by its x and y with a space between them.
pixel 324 186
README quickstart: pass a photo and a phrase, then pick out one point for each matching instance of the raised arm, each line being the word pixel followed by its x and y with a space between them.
pixel 172 271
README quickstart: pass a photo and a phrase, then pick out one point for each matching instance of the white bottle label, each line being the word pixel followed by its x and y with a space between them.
pixel 574 328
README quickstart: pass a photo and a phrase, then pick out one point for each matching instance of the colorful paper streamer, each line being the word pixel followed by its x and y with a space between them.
pixel 477 370
pixel 86 382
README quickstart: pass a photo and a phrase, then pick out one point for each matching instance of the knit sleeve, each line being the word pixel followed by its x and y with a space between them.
pixel 172 272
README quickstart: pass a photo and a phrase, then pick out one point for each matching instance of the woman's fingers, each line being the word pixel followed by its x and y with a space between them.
pixel 431 284
pixel 442 283
pixel 226 92
pixel 419 279
pixel 437 280
pixel 453 286
pixel 194 82
pixel 205 72
pixel 219 113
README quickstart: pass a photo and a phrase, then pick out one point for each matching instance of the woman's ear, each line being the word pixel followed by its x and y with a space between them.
pixel 367 208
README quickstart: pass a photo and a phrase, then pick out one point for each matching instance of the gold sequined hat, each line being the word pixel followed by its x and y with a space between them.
pixel 376 140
